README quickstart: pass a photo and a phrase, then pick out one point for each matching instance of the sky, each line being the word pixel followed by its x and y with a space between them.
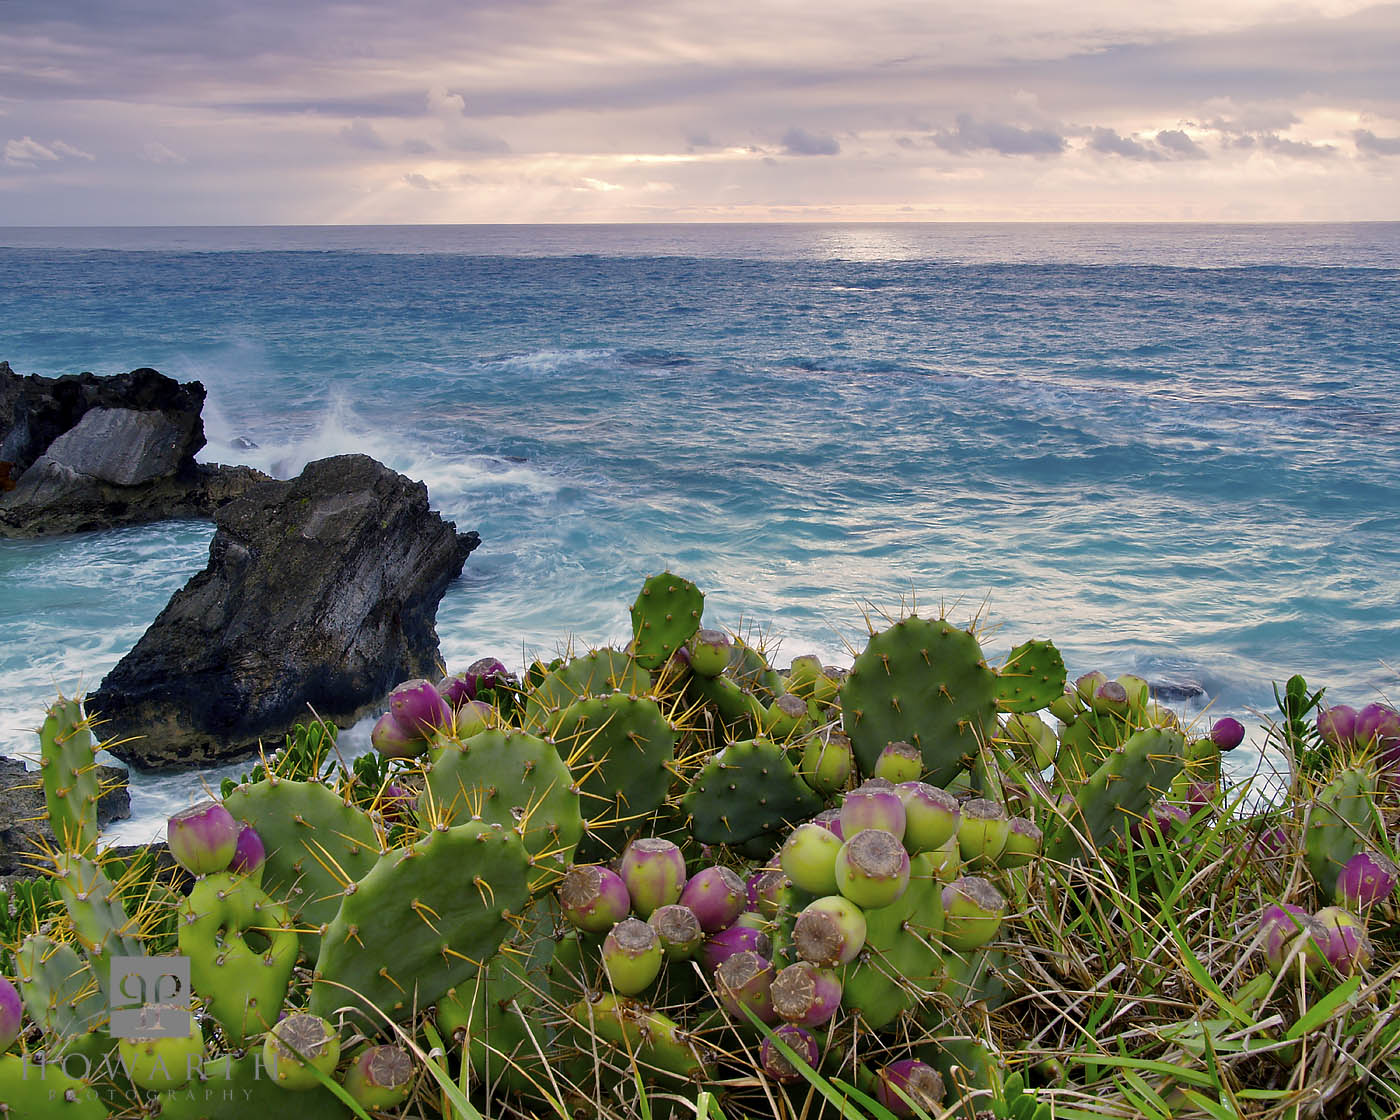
pixel 291 112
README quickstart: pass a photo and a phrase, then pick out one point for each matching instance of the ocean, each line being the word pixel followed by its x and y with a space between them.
pixel 1174 450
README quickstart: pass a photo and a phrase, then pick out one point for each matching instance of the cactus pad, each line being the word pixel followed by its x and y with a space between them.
pixel 1340 824
pixel 665 615
pixel 69 776
pixel 99 920
pixel 59 990
pixel 600 672
pixel 1032 678
pixel 748 790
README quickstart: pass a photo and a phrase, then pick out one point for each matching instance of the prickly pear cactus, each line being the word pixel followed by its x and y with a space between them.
pixel 600 672
pixel 99 920
pixel 229 1088
pixel 59 990
pixel 425 919
pixel 631 1028
pixel 1120 791
pixel 1032 678
pixel 317 846
pixel 665 615
pixel 922 681
pixel 69 776
pixel 1340 823
pixel 750 789
pixel 512 779
pixel 47 1091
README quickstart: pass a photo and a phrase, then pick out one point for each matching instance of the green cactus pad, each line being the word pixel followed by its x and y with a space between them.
pixel 1340 824
pixel 1086 743
pixel 317 845
pixel 1120 791
pixel 656 1042
pixel 600 672
pixel 59 989
pixel 512 779
pixel 99 920
pixel 901 965
pixel 747 790
pixel 665 615
pixel 422 921
pixel 28 1089
pixel 922 681
pixel 243 984
pixel 236 1088
pixel 619 748
pixel 1032 678
pixel 751 671
pixel 69 776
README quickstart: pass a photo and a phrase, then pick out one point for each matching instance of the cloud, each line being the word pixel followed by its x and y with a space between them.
pixel 450 109
pixel 417 146
pixel 420 182
pixel 28 152
pixel 1005 139
pixel 1107 141
pixel 800 142
pixel 1298 149
pixel 71 152
pixel 156 152
pixel 1179 144
pixel 1368 143
pixel 602 186
pixel 361 133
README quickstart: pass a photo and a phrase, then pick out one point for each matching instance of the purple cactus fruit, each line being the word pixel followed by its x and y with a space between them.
pixel 900 762
pixel 632 956
pixel 873 805
pixel 806 994
pixel 1163 817
pixel 746 980
pixel 931 815
pixel 380 1077
pixel 910 1078
pixel 1087 685
pixel 419 709
pixel 808 857
pixel 1378 724
pixel 830 931
pixel 203 837
pixel 1023 843
pixel 716 896
pixel 1110 699
pixel 872 869
pixel 827 762
pixel 457 690
pixel 396 803
pixel 709 652
pixel 488 672
pixel 1269 843
pixel 472 718
pixel 391 741
pixel 1366 879
pixel 800 1042
pixel 1345 944
pixel 830 819
pixel 1278 925
pixel 982 832
pixel 736 939
pixel 679 931
pixel 1227 733
pixel 1337 725
pixel 593 898
pixel 654 871
pixel 11 1014
pixel 249 853
pixel 972 913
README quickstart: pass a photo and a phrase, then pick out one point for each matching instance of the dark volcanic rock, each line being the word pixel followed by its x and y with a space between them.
pixel 24 822
pixel 321 591
pixel 90 452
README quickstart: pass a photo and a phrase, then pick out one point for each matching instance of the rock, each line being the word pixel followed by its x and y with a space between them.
pixel 319 592
pixel 24 823
pixel 88 452
pixel 1173 692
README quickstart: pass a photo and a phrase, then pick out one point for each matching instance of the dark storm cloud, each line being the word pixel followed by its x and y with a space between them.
pixel 1370 144
pixel 978 136
pixel 800 142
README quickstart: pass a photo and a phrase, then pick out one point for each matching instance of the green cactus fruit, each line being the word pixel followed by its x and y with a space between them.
pixel 972 913
pixel 827 762
pixel 230 1088
pixel 786 718
pixel 1032 678
pixel 750 669
pixel 1139 696
pixel 922 681
pixel 100 921
pixel 1023 843
pixel 901 966
pixel 804 675
pixel 739 711
pixel 297 1048
pixel 512 779
pixel 600 672
pixel 632 956
pixel 317 847
pixel 59 989
pixel 1340 824
pixel 242 948
pixel 1031 739
pixel 620 749
pixel 709 652
pixel 983 829
pixel 416 926
pixel 808 857
pixel 872 868
pixel 664 617
pixel 899 762
pixel 748 790
pixel 158 1064
pixel 1119 792
pixel 646 1039
pixel 29 1089
pixel 380 1077
pixel 69 775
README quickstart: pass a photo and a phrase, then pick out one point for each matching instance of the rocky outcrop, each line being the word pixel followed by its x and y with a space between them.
pixel 86 452
pixel 24 822
pixel 321 591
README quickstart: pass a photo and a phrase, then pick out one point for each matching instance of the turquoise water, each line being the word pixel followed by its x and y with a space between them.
pixel 1174 450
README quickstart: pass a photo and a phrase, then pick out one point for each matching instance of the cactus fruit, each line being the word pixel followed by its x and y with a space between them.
pixel 654 871
pixel 827 762
pixel 872 869
pixel 750 789
pixel 709 652
pixel 716 896
pixel 412 929
pixel 69 775
pixel 159 1064
pixel 392 741
pixel 875 804
pixel 925 682
pixel 806 994
pixel 243 982
pixel 380 1077
pixel 719 947
pixel 1031 739
pixel 1023 843
pixel 786 718
pixel 11 1014
pixel 830 931
pixel 679 931
pixel 632 956
pixel 775 1064
pixel 931 816
pixel 901 964
pixel 419 709
pixel 203 837
pixel 1278 925
pixel 1227 733
pixel 1339 826
pixel 664 617
pixel 1346 946
pixel 910 1084
pixel 1032 678
pixel 648 1038
pixel 298 1047
pixel 983 830
pixel 808 858
pixel 745 980
pixel 899 762
pixel 1366 879
pixel 593 899
pixel 972 913
pixel 249 853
